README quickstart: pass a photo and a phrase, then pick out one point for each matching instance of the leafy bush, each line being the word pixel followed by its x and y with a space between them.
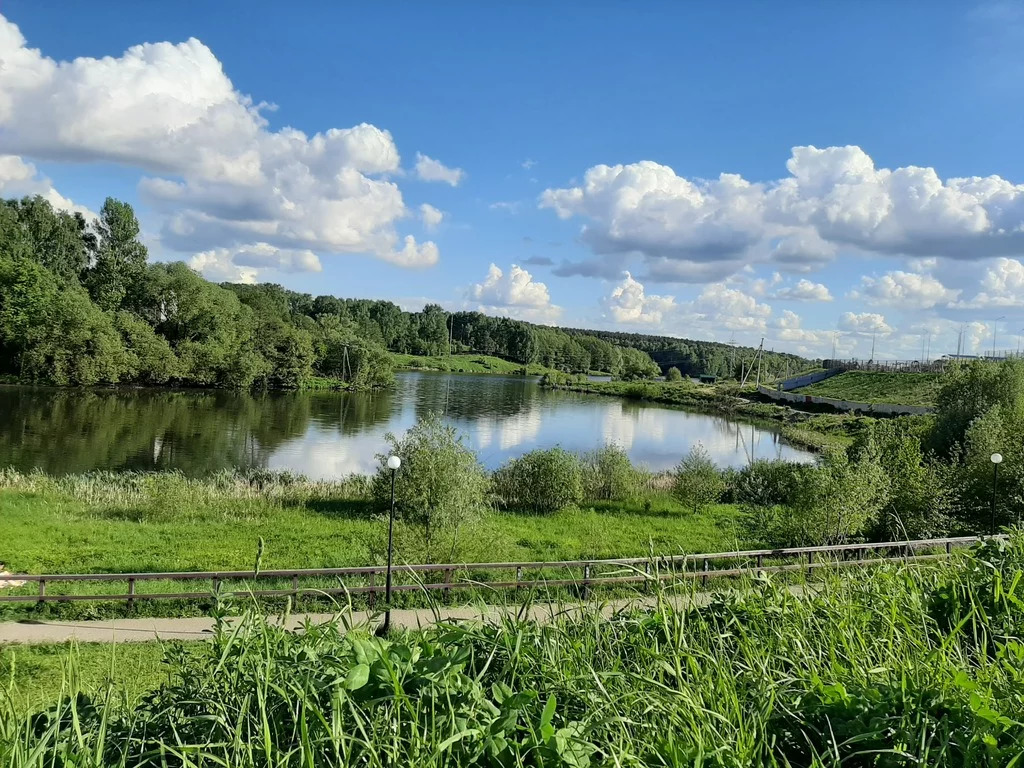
pixel 673 374
pixel 767 483
pixel 540 481
pixel 698 483
pixel 440 486
pixel 833 502
pixel 609 474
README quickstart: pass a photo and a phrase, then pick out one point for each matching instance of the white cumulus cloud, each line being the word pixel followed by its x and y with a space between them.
pixel 832 198
pixel 430 216
pixel 804 290
pixel 220 176
pixel 628 303
pixel 864 323
pixel 908 290
pixel 247 263
pixel 514 293
pixel 1001 286
pixel 429 169
pixel 21 179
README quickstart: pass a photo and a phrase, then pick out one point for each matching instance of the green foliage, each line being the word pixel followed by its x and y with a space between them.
pixel 149 358
pixel 120 258
pixel 895 666
pixel 75 343
pixel 697 483
pixel 441 485
pixel 917 503
pixel 608 474
pixel 834 502
pixel 980 411
pixel 542 481
pixel 673 374
pixel 768 483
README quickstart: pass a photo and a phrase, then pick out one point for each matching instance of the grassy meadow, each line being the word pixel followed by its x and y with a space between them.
pixel 465 363
pixel 901 666
pixel 872 387
pixel 153 522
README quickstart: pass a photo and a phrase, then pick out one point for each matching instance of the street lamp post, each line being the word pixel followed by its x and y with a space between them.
pixel 997 459
pixel 393 464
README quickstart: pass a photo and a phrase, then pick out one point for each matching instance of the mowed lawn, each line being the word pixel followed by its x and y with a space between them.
pixel 869 387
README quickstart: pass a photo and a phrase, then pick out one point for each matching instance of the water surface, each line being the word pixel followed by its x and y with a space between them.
pixel 332 434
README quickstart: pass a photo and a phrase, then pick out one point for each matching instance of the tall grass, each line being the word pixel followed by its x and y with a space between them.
pixel 897 667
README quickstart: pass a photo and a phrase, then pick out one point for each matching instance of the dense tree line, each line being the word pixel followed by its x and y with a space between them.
pixel 694 358
pixel 81 304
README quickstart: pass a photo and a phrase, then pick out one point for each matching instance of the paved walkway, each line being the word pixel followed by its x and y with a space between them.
pixel 142 630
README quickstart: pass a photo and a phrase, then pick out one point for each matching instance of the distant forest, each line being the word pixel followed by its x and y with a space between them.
pixel 694 358
pixel 80 304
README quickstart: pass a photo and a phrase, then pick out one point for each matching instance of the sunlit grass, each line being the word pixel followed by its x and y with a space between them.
pixel 899 666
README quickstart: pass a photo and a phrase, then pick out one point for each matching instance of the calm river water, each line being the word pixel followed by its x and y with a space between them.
pixel 331 434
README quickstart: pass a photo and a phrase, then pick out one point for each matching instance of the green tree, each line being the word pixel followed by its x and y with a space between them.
pixel 673 374
pixel 149 358
pixel 76 344
pixel 441 486
pixel 697 483
pixel 120 257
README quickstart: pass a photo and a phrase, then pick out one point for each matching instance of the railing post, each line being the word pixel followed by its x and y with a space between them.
pixel 42 591
pixel 586 580
pixel 371 581
pixel 447 581
pixel 216 585
pixel 810 563
pixel 760 562
pixel 295 586
pixel 131 593
pixel 949 548
pixel 704 578
pixel 519 576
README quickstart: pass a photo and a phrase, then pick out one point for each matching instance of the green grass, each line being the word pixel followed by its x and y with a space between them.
pixel 870 387
pixel 898 666
pixel 466 363
pixel 125 523
pixel 39 672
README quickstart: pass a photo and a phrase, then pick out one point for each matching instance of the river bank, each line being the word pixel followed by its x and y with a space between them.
pixel 813 431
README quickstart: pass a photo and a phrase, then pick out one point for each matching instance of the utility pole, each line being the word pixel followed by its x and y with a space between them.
pixel 873 345
pixel 451 331
pixel 760 351
pixel 995 330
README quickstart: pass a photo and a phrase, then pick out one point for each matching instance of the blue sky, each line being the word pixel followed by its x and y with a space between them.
pixel 564 144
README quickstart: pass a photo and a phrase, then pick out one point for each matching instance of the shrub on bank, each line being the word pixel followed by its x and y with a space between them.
pixel 609 475
pixel 698 483
pixel 441 485
pixel 540 481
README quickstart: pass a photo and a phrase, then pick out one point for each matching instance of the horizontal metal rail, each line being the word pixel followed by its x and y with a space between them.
pixel 645 569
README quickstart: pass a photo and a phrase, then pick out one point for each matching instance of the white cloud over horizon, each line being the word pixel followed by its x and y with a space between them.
pixel 695 230
pixel 514 294
pixel 630 305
